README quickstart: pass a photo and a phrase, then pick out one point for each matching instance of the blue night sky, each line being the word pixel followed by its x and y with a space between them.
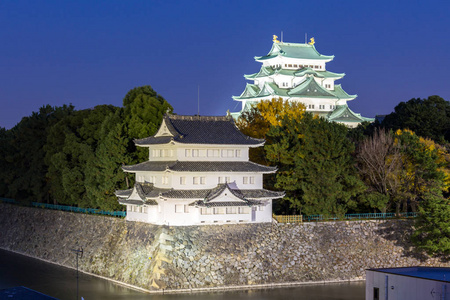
pixel 93 52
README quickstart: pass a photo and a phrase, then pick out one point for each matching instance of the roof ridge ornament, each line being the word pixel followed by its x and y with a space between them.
pixel 275 39
pixel 312 41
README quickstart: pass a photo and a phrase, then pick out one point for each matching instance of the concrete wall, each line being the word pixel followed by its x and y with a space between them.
pixel 160 257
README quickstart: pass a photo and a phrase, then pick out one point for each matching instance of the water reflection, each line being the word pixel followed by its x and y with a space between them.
pixel 60 282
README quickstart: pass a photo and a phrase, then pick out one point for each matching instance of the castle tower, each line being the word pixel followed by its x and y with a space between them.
pixel 198 172
pixel 297 72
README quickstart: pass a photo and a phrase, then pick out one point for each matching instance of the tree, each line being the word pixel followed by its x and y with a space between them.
pixel 106 176
pixel 257 121
pixel 379 164
pixel 432 226
pixel 26 176
pixel 71 148
pixel 424 164
pixel 316 166
pixel 399 167
pixel 143 113
pixel 429 118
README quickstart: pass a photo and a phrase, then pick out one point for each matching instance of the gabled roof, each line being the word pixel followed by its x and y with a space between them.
pixel 147 194
pixel 344 114
pixel 310 88
pixel 200 166
pixel 269 71
pixel 294 50
pixel 250 91
pixel 320 74
pixel 200 130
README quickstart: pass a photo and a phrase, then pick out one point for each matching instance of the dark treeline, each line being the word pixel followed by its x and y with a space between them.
pixel 61 155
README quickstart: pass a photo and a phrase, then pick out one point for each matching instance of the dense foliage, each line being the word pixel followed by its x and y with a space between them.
pixel 64 156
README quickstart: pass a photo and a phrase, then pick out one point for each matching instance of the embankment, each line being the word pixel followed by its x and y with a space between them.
pixel 159 257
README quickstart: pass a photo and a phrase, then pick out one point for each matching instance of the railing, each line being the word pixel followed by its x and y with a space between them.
pixel 318 218
pixel 288 218
pixel 71 208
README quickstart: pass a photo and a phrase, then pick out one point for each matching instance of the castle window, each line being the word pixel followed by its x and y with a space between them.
pixel 245 180
pixel 219 210
pixel 231 210
pixel 187 152
pixel 195 153
pixel 295 66
pixel 224 179
pixel 213 153
pixel 199 180
pixel 228 153
pixel 290 66
pixel 252 179
pixel 238 153
pixel 186 208
pixel 179 208
pixel 165 180
pixel 244 210
pixel 182 180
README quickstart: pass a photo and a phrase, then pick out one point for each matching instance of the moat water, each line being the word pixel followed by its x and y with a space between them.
pixel 60 282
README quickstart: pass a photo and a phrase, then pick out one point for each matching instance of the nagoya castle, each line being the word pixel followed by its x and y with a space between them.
pixel 297 72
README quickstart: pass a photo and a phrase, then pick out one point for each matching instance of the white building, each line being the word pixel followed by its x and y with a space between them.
pixel 198 172
pixel 412 283
pixel 297 72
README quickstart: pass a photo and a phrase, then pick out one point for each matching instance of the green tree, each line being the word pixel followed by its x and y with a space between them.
pixel 143 113
pixel 316 167
pixel 106 176
pixel 426 117
pixel 432 226
pixel 74 159
pixel 26 176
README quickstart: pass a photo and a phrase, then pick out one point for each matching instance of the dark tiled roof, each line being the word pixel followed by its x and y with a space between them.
pixel 133 202
pixel 221 204
pixel 200 166
pixel 147 190
pixel 123 193
pixel 201 130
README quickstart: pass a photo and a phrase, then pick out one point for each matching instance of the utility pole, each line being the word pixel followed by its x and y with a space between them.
pixel 78 253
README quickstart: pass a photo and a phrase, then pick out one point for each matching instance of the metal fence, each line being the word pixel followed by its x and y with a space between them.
pixel 121 214
pixel 318 218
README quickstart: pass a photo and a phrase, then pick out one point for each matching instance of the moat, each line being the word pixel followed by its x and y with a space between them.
pixel 60 282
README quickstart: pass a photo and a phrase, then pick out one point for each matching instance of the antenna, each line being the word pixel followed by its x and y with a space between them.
pixel 198 101
pixel 281 36
pixel 306 37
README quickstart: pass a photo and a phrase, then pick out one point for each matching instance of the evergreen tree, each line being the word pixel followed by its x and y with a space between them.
pixel 143 113
pixel 432 226
pixel 429 118
pixel 316 167
pixel 26 176
pixel 106 176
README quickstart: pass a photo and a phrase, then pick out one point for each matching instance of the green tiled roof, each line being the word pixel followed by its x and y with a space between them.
pixel 341 94
pixel 294 50
pixel 310 88
pixel 343 113
pixel 268 71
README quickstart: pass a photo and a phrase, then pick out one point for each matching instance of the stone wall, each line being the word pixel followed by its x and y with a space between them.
pixel 160 257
